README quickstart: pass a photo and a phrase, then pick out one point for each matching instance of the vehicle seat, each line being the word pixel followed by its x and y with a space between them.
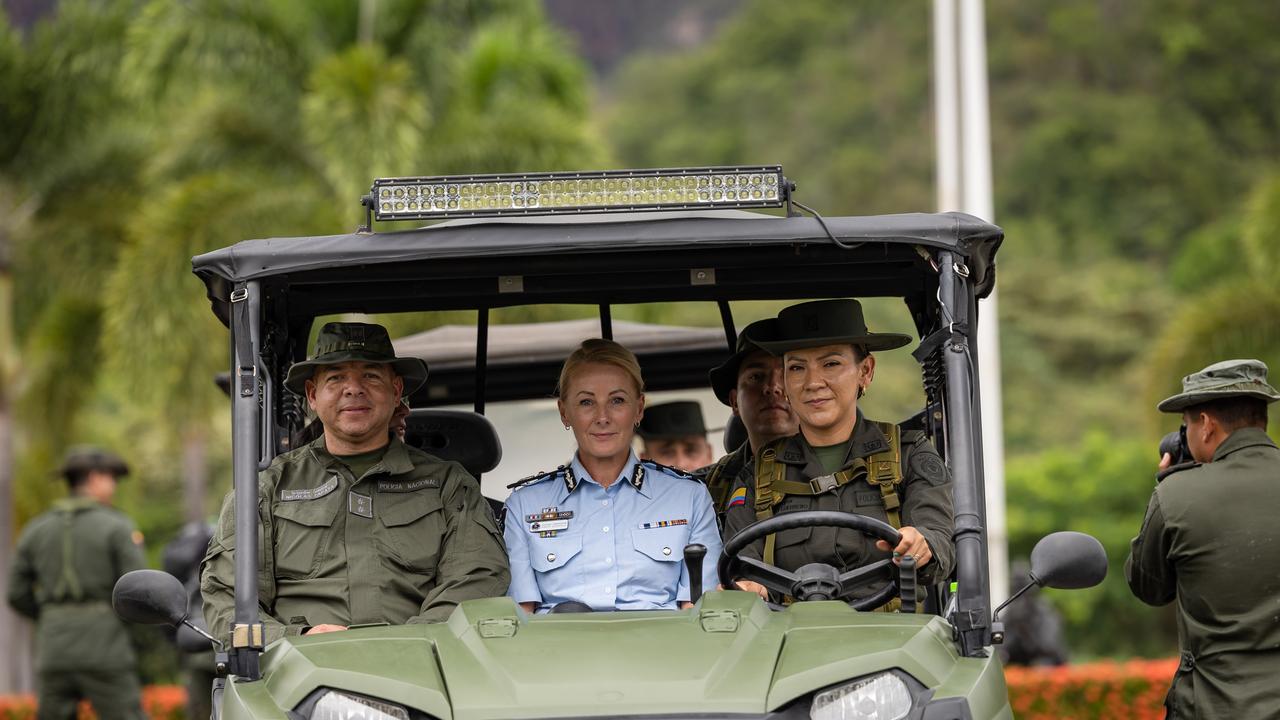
pixel 735 433
pixel 460 435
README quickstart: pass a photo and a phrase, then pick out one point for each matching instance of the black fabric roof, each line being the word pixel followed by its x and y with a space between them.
pixel 495 247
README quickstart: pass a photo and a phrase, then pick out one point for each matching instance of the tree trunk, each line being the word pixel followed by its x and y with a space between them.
pixel 195 473
pixel 15 661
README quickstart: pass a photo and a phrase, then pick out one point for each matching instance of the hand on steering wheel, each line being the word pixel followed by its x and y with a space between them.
pixel 815 581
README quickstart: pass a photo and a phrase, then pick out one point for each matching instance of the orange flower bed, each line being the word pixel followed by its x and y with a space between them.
pixel 1101 690
pixel 160 702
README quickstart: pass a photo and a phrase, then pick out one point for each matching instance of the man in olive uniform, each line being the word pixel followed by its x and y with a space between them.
pixel 68 561
pixel 359 527
pixel 675 435
pixel 749 382
pixel 1209 541
pixel 840 460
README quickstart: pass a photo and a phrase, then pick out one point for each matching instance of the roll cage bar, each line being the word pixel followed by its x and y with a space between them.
pixel 269 292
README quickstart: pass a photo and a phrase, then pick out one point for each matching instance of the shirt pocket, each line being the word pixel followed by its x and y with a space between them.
pixel 661 544
pixel 413 525
pixel 303 529
pixel 547 555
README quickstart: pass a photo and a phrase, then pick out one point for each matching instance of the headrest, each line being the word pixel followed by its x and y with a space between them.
pixel 735 433
pixel 459 435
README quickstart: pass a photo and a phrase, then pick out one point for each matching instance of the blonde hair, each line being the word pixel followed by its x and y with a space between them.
pixel 603 352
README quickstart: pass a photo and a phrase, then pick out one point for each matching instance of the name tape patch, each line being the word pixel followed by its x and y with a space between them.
pixel 311 493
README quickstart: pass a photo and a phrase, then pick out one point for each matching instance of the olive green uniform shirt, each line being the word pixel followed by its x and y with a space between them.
pixel 403 543
pixel 925 494
pixel 1211 541
pixel 66 564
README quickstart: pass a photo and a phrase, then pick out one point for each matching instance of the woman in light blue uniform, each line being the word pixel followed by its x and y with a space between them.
pixel 607 530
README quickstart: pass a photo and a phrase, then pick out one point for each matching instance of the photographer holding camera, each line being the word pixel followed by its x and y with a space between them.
pixel 1210 540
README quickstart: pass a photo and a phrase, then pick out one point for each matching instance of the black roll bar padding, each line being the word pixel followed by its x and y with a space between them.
pixel 972 618
pixel 245 450
pixel 726 319
pixel 606 321
pixel 482 358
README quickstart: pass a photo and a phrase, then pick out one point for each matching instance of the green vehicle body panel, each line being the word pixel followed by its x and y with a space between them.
pixel 729 654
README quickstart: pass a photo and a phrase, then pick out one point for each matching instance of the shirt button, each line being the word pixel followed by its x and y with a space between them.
pixel 608 561
pixel 606 528
pixel 608 589
pixel 551 557
pixel 666 551
pixel 605 503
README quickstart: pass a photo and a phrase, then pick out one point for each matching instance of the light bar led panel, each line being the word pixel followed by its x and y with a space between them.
pixel 579 192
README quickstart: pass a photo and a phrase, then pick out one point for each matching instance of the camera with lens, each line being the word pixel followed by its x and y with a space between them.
pixel 1175 443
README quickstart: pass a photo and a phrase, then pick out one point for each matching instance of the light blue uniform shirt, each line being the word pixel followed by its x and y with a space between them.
pixel 615 548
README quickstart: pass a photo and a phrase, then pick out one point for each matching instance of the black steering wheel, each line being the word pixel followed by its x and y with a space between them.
pixel 815 581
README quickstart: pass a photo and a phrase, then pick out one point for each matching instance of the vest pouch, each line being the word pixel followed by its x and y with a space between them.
pixel 303 529
pixel 413 526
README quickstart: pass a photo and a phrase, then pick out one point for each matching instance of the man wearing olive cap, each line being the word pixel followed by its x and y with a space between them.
pixel 67 562
pixel 1209 540
pixel 360 527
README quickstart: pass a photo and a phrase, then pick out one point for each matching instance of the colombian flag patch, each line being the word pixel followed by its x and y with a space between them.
pixel 739 497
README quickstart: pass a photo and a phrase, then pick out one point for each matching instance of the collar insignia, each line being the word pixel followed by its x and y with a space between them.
pixel 637 476
pixel 570 480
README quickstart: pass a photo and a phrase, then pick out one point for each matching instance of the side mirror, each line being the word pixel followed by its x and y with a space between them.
pixel 1068 561
pixel 1063 560
pixel 150 597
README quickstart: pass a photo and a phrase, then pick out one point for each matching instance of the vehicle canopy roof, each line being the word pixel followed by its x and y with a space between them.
pixel 598 259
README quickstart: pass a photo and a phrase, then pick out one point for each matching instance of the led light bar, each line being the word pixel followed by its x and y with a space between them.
pixel 417 198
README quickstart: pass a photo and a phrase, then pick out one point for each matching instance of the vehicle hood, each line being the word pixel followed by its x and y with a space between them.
pixel 728 654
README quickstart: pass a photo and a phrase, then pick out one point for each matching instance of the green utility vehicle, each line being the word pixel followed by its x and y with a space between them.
pixel 602 240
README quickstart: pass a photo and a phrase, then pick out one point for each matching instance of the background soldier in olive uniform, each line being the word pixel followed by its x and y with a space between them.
pixel 749 382
pixel 675 435
pixel 360 528
pixel 1209 541
pixel 68 561
pixel 840 460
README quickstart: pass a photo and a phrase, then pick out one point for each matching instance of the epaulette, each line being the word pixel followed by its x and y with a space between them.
pixel 673 471
pixel 911 437
pixel 1172 469
pixel 536 477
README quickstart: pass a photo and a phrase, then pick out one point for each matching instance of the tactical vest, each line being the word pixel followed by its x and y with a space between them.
pixel 882 470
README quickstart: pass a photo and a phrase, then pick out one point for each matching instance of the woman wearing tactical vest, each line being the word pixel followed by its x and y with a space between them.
pixel 840 460
pixel 607 531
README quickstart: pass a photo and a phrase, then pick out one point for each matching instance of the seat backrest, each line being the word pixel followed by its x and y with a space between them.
pixel 460 435
pixel 735 433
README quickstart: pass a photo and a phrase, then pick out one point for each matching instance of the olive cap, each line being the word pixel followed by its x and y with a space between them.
pixel 724 377
pixel 81 459
pixel 341 342
pixel 1229 378
pixel 678 419
pixel 828 322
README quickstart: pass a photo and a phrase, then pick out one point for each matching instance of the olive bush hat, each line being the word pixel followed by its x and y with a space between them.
pixel 341 342
pixel 828 322
pixel 678 419
pixel 1229 378
pixel 81 459
pixel 725 377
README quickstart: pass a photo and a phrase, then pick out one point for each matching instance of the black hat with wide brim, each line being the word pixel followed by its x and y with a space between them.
pixel 667 421
pixel 724 377
pixel 828 322
pixel 341 342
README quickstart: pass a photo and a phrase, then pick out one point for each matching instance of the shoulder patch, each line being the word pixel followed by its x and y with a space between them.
pixel 669 470
pixel 536 478
pixel 930 467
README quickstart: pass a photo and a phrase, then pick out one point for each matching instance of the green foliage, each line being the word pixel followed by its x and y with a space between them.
pixel 1099 485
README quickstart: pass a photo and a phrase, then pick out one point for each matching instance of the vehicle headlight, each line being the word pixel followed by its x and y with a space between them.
pixel 879 697
pixel 334 705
